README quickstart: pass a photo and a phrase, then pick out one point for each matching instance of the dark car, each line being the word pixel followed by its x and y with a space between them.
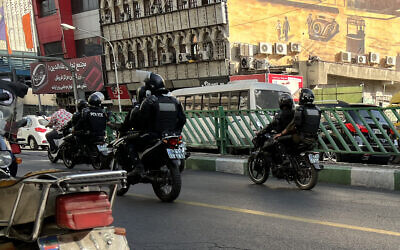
pixel 357 115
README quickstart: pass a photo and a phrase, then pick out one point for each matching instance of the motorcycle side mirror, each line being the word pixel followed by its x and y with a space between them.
pixel 4 97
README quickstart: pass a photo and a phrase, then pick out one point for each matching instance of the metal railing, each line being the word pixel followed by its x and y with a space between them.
pixel 361 130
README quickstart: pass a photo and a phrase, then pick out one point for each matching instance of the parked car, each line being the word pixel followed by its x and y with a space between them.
pixel 380 159
pixel 33 134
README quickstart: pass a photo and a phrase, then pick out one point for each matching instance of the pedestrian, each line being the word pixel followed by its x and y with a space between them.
pixel 309 21
pixel 279 29
pixel 286 29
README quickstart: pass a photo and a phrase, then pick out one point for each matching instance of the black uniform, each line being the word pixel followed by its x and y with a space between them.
pixel 132 120
pixel 162 115
pixel 305 124
pixel 94 121
pixel 280 121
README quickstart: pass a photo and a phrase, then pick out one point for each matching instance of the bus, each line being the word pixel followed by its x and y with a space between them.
pixel 236 98
pixel 237 95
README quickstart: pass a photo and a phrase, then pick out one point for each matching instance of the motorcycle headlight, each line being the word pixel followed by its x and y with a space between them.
pixel 5 159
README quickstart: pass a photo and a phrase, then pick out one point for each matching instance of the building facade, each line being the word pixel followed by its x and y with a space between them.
pixel 184 41
pixel 196 42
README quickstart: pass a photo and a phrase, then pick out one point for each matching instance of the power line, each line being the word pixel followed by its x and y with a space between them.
pixel 277 15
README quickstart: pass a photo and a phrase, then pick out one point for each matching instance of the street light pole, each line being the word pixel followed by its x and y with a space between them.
pixel 70 27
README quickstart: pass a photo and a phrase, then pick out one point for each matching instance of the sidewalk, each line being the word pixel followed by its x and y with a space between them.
pixel 354 174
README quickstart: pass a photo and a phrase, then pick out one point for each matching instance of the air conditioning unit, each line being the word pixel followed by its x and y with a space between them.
pixel 247 62
pixel 345 57
pixel 361 59
pixel 204 55
pixel 183 57
pixel 265 48
pixel 374 58
pixel 166 58
pixel 262 64
pixel 390 61
pixel 129 65
pixel 295 47
pixel 281 49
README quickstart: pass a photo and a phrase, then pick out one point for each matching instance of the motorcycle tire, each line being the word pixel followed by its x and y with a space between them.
pixel 174 185
pixel 121 191
pixel 51 158
pixel 255 166
pixel 307 176
pixel 67 158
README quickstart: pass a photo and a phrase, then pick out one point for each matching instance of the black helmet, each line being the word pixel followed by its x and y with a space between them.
pixel 82 104
pixel 141 94
pixel 306 97
pixel 154 82
pixel 95 99
pixel 285 99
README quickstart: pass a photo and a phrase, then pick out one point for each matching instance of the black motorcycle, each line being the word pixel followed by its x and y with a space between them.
pixel 299 165
pixel 162 161
pixel 75 152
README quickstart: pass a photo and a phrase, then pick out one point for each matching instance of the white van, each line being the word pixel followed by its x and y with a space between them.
pixel 200 129
pixel 237 95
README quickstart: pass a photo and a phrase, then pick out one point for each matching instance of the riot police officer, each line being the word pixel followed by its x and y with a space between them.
pixel 75 122
pixel 159 114
pixel 132 121
pixel 94 119
pixel 283 117
pixel 162 114
pixel 305 125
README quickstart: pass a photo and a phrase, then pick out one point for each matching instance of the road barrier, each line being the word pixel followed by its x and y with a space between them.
pixel 361 130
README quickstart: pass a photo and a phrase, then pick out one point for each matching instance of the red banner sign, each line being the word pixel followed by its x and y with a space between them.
pixel 54 77
pixel 258 77
pixel 123 92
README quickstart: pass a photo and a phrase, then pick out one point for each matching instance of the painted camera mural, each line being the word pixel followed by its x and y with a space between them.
pixel 322 27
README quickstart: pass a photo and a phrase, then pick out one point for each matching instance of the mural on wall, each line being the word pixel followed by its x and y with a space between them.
pixel 322 27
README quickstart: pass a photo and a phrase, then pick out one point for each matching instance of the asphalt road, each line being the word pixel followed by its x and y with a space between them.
pixel 223 211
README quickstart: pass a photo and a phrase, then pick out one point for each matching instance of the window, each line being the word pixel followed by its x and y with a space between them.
pixel 79 6
pixel 168 5
pixel 88 47
pixel 205 2
pixel 214 101
pixel 192 3
pixel 198 99
pixel 267 99
pixel 225 100
pixel 47 8
pixel 188 102
pixel 53 49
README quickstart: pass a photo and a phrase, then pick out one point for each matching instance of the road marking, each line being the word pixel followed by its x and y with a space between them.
pixel 280 216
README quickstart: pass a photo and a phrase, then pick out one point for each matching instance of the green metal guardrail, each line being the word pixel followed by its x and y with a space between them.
pixel 362 130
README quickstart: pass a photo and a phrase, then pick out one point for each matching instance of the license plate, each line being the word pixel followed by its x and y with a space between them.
pixel 99 238
pixel 175 153
pixel 314 158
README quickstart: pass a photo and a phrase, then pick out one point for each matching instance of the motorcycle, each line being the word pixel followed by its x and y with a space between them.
pixel 54 209
pixel 73 152
pixel 58 154
pixel 300 165
pixel 162 162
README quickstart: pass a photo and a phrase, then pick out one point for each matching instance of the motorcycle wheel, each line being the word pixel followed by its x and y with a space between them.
pixel 169 191
pixel 67 158
pixel 51 158
pixel 120 190
pixel 307 176
pixel 258 169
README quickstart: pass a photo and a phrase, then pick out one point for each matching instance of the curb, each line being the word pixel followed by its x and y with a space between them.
pixel 370 177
